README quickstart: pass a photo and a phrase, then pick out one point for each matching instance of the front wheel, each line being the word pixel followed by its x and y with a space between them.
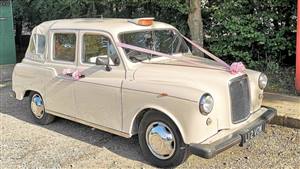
pixel 161 141
pixel 37 107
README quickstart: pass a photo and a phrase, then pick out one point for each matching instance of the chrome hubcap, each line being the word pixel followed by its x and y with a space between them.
pixel 37 106
pixel 160 140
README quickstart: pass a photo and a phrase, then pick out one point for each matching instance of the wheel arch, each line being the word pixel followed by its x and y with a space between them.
pixel 21 93
pixel 140 114
pixel 27 92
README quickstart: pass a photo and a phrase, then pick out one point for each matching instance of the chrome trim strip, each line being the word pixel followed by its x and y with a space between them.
pixel 159 94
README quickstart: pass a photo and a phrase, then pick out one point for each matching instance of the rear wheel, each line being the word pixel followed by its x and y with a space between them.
pixel 37 107
pixel 161 141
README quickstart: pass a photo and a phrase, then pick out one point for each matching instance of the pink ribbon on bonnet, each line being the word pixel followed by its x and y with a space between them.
pixel 234 68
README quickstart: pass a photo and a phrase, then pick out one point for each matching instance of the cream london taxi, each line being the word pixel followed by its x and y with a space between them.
pixel 139 76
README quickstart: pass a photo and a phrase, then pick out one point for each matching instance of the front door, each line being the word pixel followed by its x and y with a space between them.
pixel 98 93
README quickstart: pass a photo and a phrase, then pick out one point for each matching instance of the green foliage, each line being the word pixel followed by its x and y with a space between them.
pixel 281 79
pixel 252 31
pixel 34 12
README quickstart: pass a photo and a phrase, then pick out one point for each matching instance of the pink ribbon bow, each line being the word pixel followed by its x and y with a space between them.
pixel 75 74
pixel 237 67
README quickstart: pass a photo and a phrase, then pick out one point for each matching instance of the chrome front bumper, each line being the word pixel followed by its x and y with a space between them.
pixel 214 148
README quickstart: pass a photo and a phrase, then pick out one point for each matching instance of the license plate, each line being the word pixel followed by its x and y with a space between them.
pixel 252 133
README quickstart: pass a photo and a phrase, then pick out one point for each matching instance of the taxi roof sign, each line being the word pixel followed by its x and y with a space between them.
pixel 142 21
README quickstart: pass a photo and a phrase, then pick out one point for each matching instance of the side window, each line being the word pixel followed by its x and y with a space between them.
pixel 37 44
pixel 32 44
pixel 36 47
pixel 98 46
pixel 41 44
pixel 64 47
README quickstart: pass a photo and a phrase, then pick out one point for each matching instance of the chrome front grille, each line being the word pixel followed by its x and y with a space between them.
pixel 240 99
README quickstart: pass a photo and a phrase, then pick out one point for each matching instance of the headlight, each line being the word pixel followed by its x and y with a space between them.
pixel 262 81
pixel 206 104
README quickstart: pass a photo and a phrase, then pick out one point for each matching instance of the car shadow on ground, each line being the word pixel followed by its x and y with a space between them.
pixel 128 148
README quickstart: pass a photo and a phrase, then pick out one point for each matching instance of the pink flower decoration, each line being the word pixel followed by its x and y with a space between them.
pixel 237 67
pixel 76 75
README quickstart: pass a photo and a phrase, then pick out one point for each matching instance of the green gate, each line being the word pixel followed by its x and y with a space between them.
pixel 7 39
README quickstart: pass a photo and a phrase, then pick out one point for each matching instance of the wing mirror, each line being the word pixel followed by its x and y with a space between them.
pixel 103 61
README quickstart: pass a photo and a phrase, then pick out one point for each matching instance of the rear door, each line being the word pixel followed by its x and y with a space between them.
pixel 60 97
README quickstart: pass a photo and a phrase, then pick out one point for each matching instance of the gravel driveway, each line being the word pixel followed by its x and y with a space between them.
pixel 66 144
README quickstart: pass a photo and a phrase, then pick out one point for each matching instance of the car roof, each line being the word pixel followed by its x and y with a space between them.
pixel 111 25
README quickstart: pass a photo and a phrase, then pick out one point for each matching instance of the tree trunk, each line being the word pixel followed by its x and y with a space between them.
pixel 18 38
pixel 196 25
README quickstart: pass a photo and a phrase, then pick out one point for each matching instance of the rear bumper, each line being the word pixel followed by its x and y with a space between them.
pixel 12 94
pixel 214 148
